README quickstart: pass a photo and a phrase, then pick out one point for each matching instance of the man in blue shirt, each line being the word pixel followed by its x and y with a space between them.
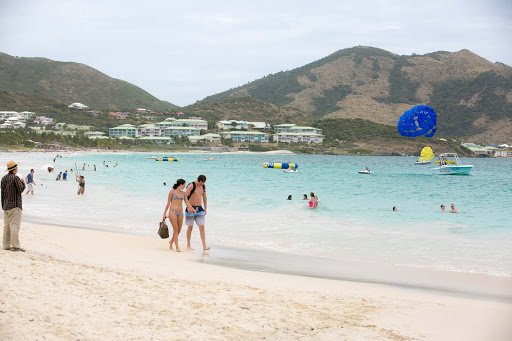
pixel 30 181
pixel 65 175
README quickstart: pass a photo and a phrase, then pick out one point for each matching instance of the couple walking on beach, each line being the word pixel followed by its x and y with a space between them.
pixel 194 198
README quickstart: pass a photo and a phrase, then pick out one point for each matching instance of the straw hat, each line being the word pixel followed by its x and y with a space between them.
pixel 11 165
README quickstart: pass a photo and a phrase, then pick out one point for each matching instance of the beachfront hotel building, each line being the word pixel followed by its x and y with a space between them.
pixel 210 138
pixel 228 124
pixel 157 139
pixel 181 131
pixel 125 130
pixel 246 136
pixel 93 134
pixel 301 129
pixel 149 130
pixel 164 124
pixel 283 128
pixel 198 124
pixel 298 137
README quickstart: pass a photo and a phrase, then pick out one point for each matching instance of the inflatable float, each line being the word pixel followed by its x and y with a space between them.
pixel 278 165
pixel 167 159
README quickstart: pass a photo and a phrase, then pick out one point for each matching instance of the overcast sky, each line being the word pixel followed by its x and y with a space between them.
pixel 183 51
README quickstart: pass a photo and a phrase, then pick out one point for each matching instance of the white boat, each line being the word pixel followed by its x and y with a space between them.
pixel 366 170
pixel 426 156
pixel 291 170
pixel 450 164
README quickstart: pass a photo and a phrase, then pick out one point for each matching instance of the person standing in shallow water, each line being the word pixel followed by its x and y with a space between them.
pixel 30 182
pixel 175 201
pixel 81 185
pixel 196 196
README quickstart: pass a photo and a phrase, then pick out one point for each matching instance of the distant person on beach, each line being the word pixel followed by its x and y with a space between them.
pixel 30 182
pixel 175 201
pixel 196 197
pixel 83 167
pixel 95 168
pixel 395 209
pixel 289 197
pixel 50 169
pixel 12 190
pixel 313 201
pixel 59 176
pixel 81 185
pixel 305 197
pixel 65 175
pixel 442 208
pixel 453 209
pixel 165 184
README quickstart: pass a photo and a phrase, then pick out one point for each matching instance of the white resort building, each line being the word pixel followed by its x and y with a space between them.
pixel 298 137
pixel 246 136
pixel 198 124
pixel 125 130
pixel 181 131
pixel 149 130
pixel 78 106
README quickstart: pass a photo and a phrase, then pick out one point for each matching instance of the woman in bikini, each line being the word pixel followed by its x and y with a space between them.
pixel 313 201
pixel 175 201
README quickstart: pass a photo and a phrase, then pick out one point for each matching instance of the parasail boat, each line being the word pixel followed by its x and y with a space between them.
pixel 426 156
pixel 450 164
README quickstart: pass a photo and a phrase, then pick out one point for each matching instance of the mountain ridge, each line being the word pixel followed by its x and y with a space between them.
pixel 70 82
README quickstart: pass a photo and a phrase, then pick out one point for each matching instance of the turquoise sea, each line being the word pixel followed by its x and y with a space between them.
pixel 248 210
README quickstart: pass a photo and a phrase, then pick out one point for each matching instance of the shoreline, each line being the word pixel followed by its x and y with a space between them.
pixel 92 284
pixel 451 283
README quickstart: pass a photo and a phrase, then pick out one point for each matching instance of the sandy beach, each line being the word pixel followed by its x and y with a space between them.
pixel 93 285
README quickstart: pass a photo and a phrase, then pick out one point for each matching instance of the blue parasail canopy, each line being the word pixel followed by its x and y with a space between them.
pixel 418 121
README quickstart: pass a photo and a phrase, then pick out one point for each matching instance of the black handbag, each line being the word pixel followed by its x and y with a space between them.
pixel 163 230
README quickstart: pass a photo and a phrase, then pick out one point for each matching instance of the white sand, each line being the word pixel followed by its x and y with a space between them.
pixel 79 284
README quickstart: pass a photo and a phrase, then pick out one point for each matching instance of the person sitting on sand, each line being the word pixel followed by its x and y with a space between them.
pixel 313 201
pixel 453 209
pixel 81 185
pixel 175 201
pixel 442 208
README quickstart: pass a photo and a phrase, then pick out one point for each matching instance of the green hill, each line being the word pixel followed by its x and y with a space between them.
pixel 472 96
pixel 69 82
pixel 248 109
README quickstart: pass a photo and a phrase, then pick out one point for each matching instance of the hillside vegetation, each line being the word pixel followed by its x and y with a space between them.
pixel 471 95
pixel 69 82
pixel 248 109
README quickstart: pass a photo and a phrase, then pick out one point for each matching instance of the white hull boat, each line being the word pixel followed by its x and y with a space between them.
pixel 450 164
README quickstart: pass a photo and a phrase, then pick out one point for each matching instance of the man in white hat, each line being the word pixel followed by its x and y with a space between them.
pixel 12 190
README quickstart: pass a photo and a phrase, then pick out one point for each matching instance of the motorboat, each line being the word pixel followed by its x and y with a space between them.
pixel 366 170
pixel 450 164
pixel 209 159
pixel 426 156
